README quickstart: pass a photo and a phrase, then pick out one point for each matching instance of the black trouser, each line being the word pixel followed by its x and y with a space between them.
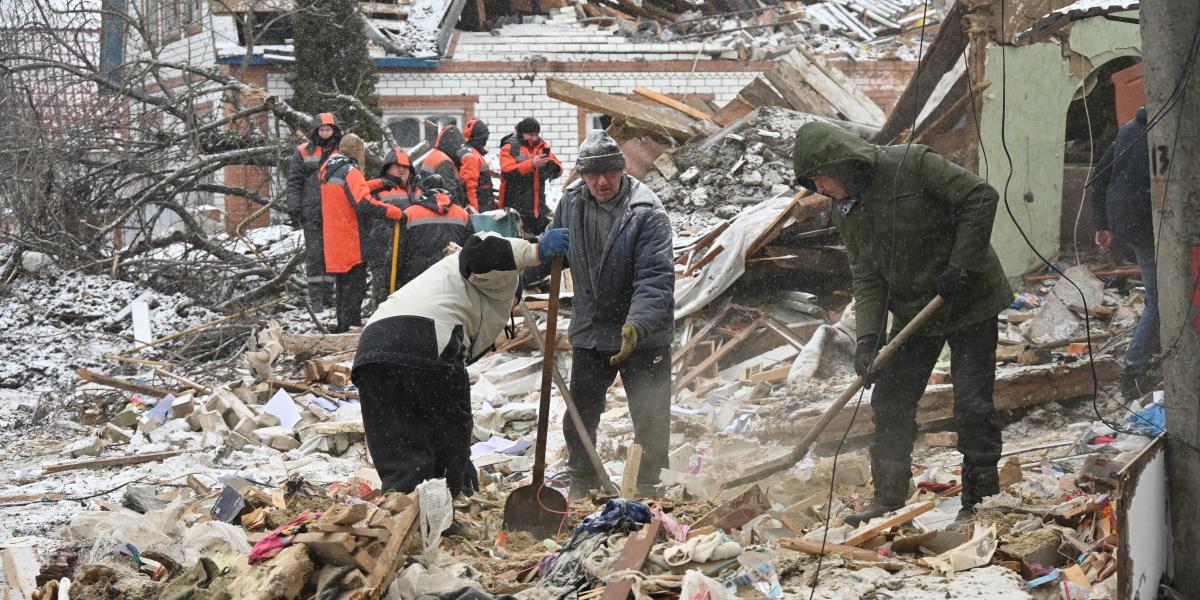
pixel 902 382
pixel 351 291
pixel 318 282
pixel 380 260
pixel 418 423
pixel 646 375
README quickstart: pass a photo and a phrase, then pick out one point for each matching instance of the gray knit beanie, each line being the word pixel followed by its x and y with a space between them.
pixel 599 153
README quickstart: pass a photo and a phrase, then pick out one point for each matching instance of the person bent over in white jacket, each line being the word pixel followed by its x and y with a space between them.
pixel 411 364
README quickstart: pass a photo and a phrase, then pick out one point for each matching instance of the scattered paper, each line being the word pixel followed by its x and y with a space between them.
pixel 282 407
pixel 162 410
pixel 141 322
pixel 500 445
pixel 975 553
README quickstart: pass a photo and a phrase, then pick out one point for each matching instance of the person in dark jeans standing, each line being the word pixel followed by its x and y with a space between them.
pixel 411 363
pixel 1121 211
pixel 916 226
pixel 622 318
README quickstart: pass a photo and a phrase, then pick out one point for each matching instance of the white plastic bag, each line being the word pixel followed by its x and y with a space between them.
pixel 698 586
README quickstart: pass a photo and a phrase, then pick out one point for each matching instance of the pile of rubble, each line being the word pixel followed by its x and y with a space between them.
pixel 764 31
pixel 257 484
pixel 718 176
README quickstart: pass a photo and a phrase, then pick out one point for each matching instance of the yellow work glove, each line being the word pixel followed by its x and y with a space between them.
pixel 628 344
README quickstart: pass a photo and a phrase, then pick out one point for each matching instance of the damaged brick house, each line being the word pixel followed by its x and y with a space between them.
pixel 442 60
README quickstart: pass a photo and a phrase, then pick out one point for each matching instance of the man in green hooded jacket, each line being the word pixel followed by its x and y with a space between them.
pixel 915 226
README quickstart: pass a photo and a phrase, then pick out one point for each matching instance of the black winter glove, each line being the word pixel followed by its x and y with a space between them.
pixel 952 281
pixel 470 480
pixel 864 356
pixel 295 220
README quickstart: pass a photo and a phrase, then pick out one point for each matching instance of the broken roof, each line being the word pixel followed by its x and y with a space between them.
pixel 1056 20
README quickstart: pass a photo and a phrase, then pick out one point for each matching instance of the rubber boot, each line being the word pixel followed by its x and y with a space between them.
pixel 891 490
pixel 979 482
pixel 579 488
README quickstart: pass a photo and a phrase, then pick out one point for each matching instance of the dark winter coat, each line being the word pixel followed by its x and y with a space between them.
pixel 431 224
pixel 522 186
pixel 636 283
pixel 900 238
pixel 1121 187
pixel 303 189
pixel 443 161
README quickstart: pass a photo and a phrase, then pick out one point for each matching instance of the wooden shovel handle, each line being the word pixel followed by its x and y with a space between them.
pixel 543 425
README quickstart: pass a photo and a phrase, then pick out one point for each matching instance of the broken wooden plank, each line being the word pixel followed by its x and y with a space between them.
pixel 814 548
pixel 899 519
pixel 771 376
pixel 308 346
pixel 701 335
pixel 633 556
pixel 737 108
pixel 388 563
pixel 21 567
pixel 203 389
pixel 332 548
pixel 120 384
pixel 758 93
pixel 725 348
pixel 738 511
pixel 835 87
pixel 672 103
pixel 799 95
pixel 636 115
pixel 102 463
pixel 804 206
pixel 633 463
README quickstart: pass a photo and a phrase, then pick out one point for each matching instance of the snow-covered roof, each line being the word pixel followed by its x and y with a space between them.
pixel 1056 20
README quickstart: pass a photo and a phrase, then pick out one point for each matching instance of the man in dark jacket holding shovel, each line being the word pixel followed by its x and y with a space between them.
pixel 916 226
pixel 622 313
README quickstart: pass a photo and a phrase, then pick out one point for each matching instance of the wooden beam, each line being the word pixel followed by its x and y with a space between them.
pixel 21 567
pixel 102 463
pixel 814 548
pixel 632 557
pixel 120 384
pixel 901 518
pixel 799 95
pixel 636 115
pixel 834 86
pixel 633 463
pixel 738 511
pixel 758 93
pixel 391 559
pixel 737 108
pixel 725 348
pixel 701 335
pixel 672 103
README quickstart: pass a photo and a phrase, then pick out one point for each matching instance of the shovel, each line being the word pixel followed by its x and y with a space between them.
pixel 580 429
pixel 785 462
pixel 536 508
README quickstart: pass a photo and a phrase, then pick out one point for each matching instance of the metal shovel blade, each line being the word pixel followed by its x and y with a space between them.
pixel 543 517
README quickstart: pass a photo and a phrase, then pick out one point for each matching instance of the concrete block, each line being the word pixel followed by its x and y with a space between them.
pixel 116 434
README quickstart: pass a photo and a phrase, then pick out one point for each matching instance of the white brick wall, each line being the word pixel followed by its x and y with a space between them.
pixel 506 98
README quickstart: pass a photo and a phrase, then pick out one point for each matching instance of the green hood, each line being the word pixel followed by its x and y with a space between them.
pixel 826 149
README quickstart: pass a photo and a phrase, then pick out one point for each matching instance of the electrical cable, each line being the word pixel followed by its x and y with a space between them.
pixel 886 306
pixel 1172 100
